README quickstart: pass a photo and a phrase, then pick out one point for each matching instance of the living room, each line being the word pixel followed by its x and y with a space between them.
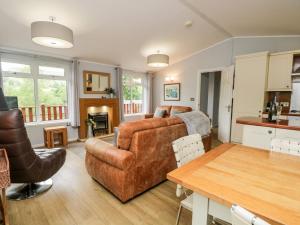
pixel 142 112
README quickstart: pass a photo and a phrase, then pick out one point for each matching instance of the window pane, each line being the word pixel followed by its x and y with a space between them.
pixel 137 80
pixel 53 71
pixel 53 99
pixel 132 95
pixel 15 67
pixel 23 88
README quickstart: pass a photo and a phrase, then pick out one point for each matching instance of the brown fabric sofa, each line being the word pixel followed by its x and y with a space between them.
pixel 142 158
pixel 169 109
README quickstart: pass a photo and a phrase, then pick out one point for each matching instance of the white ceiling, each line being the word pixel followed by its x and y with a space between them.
pixel 124 32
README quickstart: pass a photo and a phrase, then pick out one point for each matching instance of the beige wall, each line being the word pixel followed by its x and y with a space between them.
pixel 220 55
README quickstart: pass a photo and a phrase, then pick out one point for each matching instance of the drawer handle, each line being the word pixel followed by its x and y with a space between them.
pixel 270 132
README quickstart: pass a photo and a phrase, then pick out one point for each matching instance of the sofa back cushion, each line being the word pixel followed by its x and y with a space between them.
pixel 179 109
pixel 153 153
pixel 128 129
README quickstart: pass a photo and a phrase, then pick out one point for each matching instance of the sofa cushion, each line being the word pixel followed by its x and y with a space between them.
pixel 179 109
pixel 159 113
pixel 167 108
pixel 127 129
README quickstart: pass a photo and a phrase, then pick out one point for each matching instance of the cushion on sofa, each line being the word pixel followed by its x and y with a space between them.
pixel 167 108
pixel 159 113
pixel 179 109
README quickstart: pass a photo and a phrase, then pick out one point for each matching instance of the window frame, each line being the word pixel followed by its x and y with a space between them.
pixel 135 75
pixel 34 64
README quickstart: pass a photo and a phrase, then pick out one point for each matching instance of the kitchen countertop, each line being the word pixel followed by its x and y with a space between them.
pixel 287 114
pixel 291 124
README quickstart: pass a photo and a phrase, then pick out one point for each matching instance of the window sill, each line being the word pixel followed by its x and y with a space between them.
pixel 45 123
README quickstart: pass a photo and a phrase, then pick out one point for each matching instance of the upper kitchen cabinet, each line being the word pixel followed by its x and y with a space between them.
pixel 280 71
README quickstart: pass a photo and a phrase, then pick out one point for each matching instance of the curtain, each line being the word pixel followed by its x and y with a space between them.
pixel 119 75
pixel 1 78
pixel 74 95
pixel 149 93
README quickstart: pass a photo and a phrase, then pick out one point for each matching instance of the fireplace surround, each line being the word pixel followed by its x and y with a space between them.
pixel 111 106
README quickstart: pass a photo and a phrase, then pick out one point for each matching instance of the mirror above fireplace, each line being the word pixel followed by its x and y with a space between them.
pixel 95 82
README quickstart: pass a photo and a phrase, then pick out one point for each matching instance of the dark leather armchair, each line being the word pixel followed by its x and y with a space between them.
pixel 33 167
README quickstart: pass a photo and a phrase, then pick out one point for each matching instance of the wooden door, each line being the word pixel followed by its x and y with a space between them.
pixel 249 89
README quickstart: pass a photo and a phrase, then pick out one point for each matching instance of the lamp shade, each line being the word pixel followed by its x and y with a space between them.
pixel 158 60
pixel 51 34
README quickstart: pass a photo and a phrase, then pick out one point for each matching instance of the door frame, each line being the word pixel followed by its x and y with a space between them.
pixel 199 74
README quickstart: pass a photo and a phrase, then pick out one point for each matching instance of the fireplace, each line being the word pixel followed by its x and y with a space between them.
pixel 104 110
pixel 99 122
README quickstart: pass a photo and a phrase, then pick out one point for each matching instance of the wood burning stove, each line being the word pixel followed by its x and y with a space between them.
pixel 99 122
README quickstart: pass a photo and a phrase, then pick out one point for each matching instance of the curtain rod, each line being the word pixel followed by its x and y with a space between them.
pixel 33 55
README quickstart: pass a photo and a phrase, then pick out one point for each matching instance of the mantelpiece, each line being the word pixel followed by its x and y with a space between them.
pixel 111 105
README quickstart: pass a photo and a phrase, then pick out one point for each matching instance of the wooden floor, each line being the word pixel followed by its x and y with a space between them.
pixel 76 199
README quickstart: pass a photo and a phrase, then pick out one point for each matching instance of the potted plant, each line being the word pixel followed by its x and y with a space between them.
pixel 110 92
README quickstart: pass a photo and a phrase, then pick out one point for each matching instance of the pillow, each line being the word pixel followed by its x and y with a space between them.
pixel 159 113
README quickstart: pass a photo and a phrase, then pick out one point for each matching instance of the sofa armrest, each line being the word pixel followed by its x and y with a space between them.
pixel 121 159
pixel 149 115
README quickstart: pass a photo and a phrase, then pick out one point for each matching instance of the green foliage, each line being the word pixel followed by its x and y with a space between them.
pixel 21 87
pixel 50 92
pixel 131 89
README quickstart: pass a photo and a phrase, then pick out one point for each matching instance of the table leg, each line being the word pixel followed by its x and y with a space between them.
pixel 200 209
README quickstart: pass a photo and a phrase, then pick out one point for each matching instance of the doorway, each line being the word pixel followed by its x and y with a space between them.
pixel 214 94
pixel 210 96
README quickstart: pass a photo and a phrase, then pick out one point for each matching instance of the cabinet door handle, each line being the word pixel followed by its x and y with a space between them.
pixel 287 86
pixel 270 132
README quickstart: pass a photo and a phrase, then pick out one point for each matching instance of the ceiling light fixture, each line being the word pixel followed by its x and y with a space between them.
pixel 158 60
pixel 50 34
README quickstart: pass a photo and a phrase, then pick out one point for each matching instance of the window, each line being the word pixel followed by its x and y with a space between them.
pixel 133 92
pixel 41 87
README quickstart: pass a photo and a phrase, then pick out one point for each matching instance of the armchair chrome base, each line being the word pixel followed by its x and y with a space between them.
pixel 30 190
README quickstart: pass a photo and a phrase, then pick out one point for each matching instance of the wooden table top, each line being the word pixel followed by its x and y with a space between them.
pixel 266 183
pixel 291 124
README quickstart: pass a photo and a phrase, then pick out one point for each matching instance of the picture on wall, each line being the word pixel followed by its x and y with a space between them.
pixel 172 92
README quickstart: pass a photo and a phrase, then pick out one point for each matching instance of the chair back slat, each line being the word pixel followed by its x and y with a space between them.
pixel 286 145
pixel 186 149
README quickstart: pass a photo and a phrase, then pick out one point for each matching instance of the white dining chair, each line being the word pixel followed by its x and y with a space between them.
pixel 241 216
pixel 286 145
pixel 186 149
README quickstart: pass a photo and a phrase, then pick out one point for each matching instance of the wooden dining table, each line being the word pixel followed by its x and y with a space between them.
pixel 263 182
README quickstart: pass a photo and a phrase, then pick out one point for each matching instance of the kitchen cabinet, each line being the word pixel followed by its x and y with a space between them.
pixel 261 137
pixel 258 137
pixel 250 85
pixel 280 71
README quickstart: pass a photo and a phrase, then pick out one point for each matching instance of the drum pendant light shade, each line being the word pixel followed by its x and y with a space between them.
pixel 51 34
pixel 158 60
